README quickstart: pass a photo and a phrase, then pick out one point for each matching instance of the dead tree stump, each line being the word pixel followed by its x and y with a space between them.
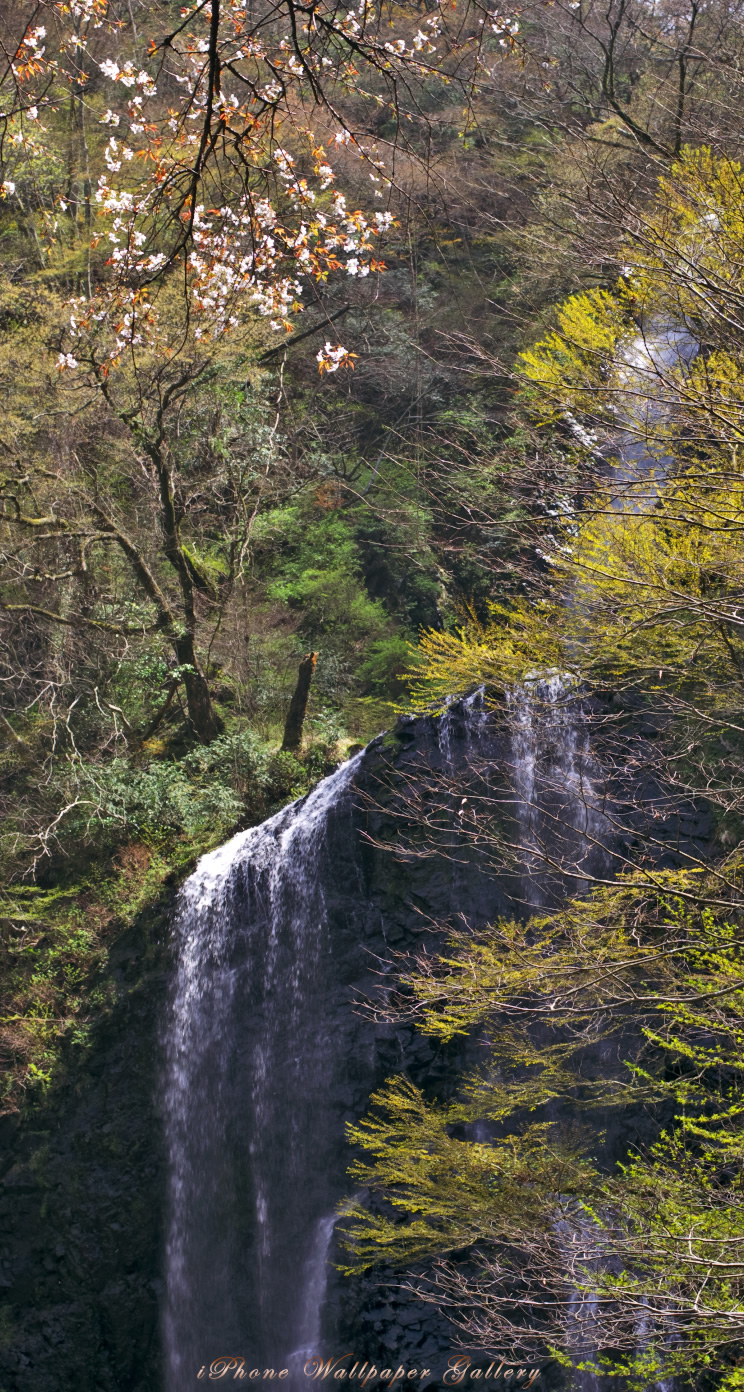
pixel 298 705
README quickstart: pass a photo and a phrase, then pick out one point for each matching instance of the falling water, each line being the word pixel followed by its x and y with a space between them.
pixel 314 1287
pixel 255 1050
pixel 647 390
pixel 563 830
pixel 266 1059
pixel 250 1064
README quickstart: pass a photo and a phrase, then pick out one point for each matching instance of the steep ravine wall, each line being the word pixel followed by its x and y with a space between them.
pixel 266 1057
pixel 84 1189
pixel 83 1184
pixel 81 1198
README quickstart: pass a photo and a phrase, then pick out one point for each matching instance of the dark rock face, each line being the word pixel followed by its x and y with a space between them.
pixel 652 824
pixel 87 1202
pixel 81 1201
pixel 83 1195
pixel 266 1058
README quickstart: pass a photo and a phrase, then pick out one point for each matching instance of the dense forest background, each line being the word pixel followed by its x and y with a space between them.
pixel 405 478
pixel 342 514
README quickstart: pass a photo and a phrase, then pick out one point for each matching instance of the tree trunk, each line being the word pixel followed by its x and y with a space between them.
pixel 298 704
pixel 180 629
pixel 205 722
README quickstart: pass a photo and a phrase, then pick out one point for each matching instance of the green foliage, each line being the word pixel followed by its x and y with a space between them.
pixel 633 998
pixel 331 603
pixel 521 639
pixel 579 356
pixel 385 664
pixel 445 1193
pixel 150 802
pixel 205 794
pixel 334 610
pixel 650 986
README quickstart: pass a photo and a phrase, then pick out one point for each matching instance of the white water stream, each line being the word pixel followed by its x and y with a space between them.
pixel 249 1057
pixel 564 833
pixel 251 1040
pixel 564 827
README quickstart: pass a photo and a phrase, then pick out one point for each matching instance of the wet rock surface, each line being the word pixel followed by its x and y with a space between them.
pixel 83 1191
pixel 81 1199
pixel 83 1185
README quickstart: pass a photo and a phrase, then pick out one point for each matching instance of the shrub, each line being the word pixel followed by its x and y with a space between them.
pixel 238 777
pixel 382 672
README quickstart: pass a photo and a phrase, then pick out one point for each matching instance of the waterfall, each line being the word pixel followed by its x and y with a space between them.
pixel 563 831
pixel 250 1062
pixel 647 392
pixel 264 1057
pixel 314 1287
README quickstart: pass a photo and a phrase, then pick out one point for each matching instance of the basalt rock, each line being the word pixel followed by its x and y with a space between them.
pixel 197 1145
